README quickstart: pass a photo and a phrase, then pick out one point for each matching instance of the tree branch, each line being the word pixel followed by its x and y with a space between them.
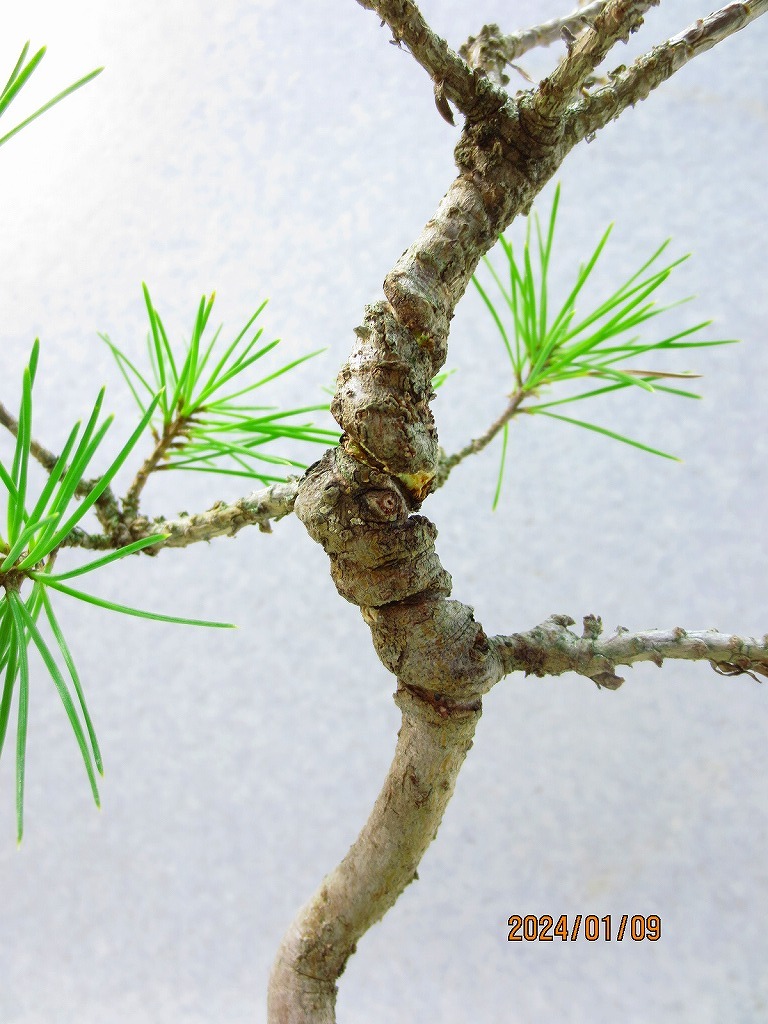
pixel 551 649
pixel 491 51
pixel 256 509
pixel 225 520
pixel 616 21
pixel 630 85
pixel 171 432
pixel 359 500
pixel 447 463
pixel 473 93
pixel 222 520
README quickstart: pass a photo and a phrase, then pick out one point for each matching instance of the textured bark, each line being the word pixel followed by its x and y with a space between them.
pixel 615 22
pixel 470 91
pixel 384 560
pixel 491 51
pixel 361 501
pixel 552 648
pixel 224 519
pixel 629 86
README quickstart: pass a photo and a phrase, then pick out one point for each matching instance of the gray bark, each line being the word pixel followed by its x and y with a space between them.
pixel 361 501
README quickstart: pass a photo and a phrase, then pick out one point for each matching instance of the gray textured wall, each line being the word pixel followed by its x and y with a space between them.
pixel 287 150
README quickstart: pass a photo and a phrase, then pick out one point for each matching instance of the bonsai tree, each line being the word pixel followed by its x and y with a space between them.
pixel 365 496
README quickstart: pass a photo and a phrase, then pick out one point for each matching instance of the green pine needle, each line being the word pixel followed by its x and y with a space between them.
pixel 8 661
pixel 100 602
pixel 69 661
pixel 61 686
pixel 53 536
pixel 203 416
pixel 502 464
pixel 20 659
pixel 548 345
pixel 113 556
pixel 18 79
pixel 29 550
pixel 607 433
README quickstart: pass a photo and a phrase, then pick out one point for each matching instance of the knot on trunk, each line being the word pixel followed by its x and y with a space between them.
pixel 383 559
pixel 379 552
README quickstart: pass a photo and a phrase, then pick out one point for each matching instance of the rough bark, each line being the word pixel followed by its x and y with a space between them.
pixel 491 51
pixel 361 501
pixel 552 648
pixel 628 86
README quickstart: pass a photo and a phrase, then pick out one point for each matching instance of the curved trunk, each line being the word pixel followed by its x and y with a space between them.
pixel 431 746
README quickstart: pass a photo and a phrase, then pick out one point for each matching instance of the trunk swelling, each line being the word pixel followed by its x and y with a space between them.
pixel 359 501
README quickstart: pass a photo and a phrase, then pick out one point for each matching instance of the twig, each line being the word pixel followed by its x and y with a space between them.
pixel 171 432
pixel 106 507
pixel 630 85
pixel 256 509
pixel 552 648
pixel 447 463
pixel 491 51
pixel 46 459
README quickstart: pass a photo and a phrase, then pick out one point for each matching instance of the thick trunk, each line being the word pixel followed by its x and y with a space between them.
pixel 359 501
pixel 431 748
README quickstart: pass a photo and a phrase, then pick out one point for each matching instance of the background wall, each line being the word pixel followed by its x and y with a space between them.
pixel 286 150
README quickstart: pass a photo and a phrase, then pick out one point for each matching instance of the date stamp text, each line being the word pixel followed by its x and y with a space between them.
pixel 545 928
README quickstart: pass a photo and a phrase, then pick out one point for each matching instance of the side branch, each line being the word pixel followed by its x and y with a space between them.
pixel 552 648
pixel 222 520
pixel 225 520
pixel 46 459
pixel 172 432
pixel 471 92
pixel 449 462
pixel 491 51
pixel 617 21
pixel 630 85
pixel 106 507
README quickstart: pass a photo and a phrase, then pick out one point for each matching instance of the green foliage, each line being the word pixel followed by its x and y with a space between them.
pixel 440 378
pixel 20 75
pixel 34 530
pixel 546 348
pixel 203 416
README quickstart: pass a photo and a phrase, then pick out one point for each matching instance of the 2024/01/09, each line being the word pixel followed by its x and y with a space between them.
pixel 590 927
